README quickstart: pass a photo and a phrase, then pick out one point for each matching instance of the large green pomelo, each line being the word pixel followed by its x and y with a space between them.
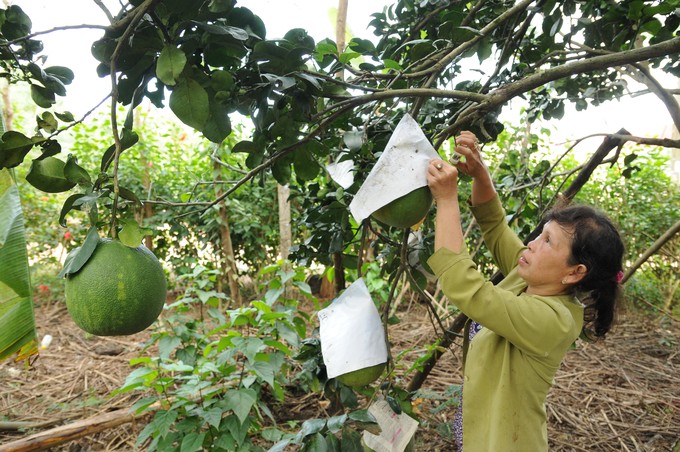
pixel 48 175
pixel 119 291
pixel 362 377
pixel 407 210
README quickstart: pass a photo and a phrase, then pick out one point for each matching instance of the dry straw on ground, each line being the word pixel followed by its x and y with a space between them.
pixel 622 394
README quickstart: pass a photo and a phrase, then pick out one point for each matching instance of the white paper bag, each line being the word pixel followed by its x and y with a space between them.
pixel 396 429
pixel 342 172
pixel 401 168
pixel 351 333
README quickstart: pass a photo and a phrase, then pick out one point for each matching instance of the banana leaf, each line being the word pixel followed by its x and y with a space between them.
pixel 17 321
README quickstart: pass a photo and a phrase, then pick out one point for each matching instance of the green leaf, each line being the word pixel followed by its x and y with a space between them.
pixel 13 148
pixel 132 234
pixel 245 146
pixel 49 148
pixel 220 6
pixel 48 175
pixel 362 416
pixel 351 441
pixel 266 371
pixel 76 173
pixel 354 140
pixel 77 258
pixel 336 423
pixel 238 429
pixel 163 421
pixel 126 194
pixel 43 97
pixel 189 101
pixel 218 125
pixel 65 116
pixel 306 167
pixel 312 426
pixel 484 49
pixel 212 416
pixel 240 402
pixel 223 30
pixel 18 333
pixel 317 443
pixel 47 122
pixel 170 64
pixel 192 442
pixel 17 24
pixel 64 74
pixel 67 207
pixel 281 171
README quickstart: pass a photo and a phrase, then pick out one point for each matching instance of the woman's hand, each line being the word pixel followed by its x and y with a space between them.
pixel 442 178
pixel 473 165
pixel 483 190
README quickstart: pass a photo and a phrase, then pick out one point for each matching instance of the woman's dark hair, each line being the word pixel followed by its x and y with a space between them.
pixel 596 243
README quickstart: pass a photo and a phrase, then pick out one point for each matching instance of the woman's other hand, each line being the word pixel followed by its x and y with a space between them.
pixel 442 178
pixel 473 165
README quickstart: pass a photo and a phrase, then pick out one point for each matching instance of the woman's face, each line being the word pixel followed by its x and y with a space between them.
pixel 544 264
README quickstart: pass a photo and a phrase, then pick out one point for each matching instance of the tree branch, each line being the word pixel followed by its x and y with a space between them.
pixel 52 30
pixel 645 77
pixel 656 246
pixel 502 95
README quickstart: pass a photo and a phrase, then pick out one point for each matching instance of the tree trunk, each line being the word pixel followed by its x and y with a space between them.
pixel 7 111
pixel 229 272
pixel 458 323
pixel 340 30
pixel 285 231
pixel 146 211
pixel 341 25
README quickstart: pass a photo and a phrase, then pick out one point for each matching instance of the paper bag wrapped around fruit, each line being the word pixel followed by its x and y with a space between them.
pixel 355 356
pixel 395 192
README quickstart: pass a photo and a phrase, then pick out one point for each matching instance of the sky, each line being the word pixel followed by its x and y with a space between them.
pixel 643 115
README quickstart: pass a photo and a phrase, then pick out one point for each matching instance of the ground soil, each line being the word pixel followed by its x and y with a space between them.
pixel 622 394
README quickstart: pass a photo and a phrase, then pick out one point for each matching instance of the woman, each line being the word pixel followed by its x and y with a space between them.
pixel 531 318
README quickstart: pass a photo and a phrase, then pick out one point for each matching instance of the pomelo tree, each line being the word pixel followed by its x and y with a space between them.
pixel 451 65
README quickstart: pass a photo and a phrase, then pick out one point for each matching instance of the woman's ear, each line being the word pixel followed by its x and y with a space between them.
pixel 576 274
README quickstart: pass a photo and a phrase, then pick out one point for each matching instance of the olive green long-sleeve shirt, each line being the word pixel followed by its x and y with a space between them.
pixel 511 362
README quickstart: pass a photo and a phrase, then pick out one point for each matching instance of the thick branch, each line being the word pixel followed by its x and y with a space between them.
pixel 505 93
pixel 69 432
pixel 656 246
pixel 645 77
pixel 413 92
pixel 533 81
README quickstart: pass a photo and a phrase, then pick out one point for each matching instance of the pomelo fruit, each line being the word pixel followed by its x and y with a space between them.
pixel 119 291
pixel 48 175
pixel 362 377
pixel 407 210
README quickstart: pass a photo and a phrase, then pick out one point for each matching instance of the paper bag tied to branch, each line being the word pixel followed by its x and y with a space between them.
pixel 401 169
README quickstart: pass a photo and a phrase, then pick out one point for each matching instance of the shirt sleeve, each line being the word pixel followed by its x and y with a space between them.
pixel 502 242
pixel 534 325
